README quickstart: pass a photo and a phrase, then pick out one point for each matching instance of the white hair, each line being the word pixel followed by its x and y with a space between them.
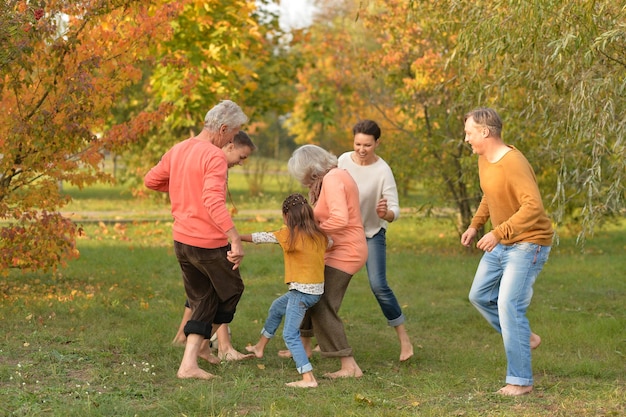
pixel 226 113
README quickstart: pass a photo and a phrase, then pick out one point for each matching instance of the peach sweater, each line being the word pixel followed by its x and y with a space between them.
pixel 338 212
pixel 194 172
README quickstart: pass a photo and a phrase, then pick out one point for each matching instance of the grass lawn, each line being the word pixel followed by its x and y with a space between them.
pixel 93 338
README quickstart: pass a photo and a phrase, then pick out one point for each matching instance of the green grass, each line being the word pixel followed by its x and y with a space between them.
pixel 93 339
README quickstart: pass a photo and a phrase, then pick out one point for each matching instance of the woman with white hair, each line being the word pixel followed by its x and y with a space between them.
pixel 335 198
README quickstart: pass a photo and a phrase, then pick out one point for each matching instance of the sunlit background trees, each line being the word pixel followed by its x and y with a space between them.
pixel 81 80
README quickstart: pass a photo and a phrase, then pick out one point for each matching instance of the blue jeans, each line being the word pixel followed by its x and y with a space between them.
pixel 501 291
pixel 376 265
pixel 292 305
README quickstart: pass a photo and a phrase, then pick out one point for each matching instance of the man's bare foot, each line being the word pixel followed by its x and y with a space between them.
pixel 535 340
pixel 258 352
pixel 515 390
pixel 233 355
pixel 406 352
pixel 345 373
pixel 196 373
pixel 302 384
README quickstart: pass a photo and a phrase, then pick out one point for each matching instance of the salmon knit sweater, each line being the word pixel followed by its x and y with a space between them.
pixel 338 212
pixel 194 172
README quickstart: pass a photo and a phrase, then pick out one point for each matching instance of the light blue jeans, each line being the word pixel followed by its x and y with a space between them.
pixel 501 291
pixel 292 305
pixel 377 273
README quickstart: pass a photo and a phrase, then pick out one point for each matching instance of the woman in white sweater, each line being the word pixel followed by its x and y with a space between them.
pixel 378 199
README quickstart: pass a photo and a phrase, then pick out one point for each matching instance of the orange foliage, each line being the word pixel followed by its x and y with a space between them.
pixel 62 69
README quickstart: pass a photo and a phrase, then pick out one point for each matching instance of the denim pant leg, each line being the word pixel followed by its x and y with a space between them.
pixel 376 265
pixel 502 291
pixel 486 286
pixel 522 264
pixel 297 306
pixel 275 315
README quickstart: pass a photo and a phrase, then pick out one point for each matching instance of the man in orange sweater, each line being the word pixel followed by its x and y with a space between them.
pixel 515 249
pixel 194 173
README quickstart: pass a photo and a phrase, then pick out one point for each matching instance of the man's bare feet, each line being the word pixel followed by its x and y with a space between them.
pixel 535 340
pixel 515 390
pixel 233 355
pixel 345 373
pixel 302 384
pixel 258 352
pixel 196 373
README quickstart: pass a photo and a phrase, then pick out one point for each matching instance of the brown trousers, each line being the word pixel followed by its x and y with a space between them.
pixel 213 288
pixel 323 321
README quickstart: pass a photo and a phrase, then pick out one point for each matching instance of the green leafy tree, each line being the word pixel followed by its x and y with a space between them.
pixel 556 69
pixel 219 50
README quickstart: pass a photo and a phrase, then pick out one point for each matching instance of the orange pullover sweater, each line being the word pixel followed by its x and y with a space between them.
pixel 512 201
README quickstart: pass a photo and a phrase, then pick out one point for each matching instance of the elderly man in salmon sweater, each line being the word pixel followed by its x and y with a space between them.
pixel 206 242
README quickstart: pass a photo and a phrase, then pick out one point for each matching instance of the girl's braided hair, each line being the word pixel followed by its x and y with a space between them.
pixel 301 222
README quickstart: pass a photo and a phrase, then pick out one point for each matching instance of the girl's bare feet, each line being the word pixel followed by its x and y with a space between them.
pixel 535 340
pixel 255 350
pixel 515 390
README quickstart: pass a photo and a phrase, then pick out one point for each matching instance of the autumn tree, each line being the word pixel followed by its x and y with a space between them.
pixel 218 50
pixel 382 60
pixel 553 69
pixel 63 65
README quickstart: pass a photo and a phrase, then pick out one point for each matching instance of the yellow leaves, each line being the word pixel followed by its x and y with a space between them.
pixel 58 290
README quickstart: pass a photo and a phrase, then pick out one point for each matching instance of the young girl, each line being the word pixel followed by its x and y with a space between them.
pixel 303 244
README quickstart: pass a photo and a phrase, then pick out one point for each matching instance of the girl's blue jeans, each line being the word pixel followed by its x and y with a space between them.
pixel 377 273
pixel 292 305
pixel 501 291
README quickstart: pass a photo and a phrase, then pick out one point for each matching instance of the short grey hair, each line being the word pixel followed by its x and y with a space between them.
pixel 225 113
pixel 309 162
pixel 489 118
